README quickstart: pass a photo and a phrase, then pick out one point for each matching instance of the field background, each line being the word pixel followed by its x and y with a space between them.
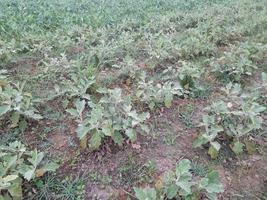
pixel 56 46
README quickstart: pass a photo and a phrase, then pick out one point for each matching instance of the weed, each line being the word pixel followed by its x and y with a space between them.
pixel 134 173
pixel 99 178
pixel 52 187
pixel 199 169
pixel 186 113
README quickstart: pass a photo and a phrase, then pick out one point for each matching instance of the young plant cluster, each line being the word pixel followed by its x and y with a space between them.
pixel 237 63
pixel 15 102
pixel 154 94
pixel 233 120
pixel 17 164
pixel 112 116
pixel 181 184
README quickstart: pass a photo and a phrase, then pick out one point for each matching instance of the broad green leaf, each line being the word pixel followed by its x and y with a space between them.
pixel 215 145
pixel 220 107
pixel 144 128
pixel 151 105
pixel 131 134
pixel 211 183
pixel 73 112
pixel 22 125
pixel 36 157
pixel 238 147
pixel 107 130
pixel 95 140
pixel 200 141
pixel 184 176
pixel 172 191
pixel 183 167
pixel 4 109
pixel 257 108
pixel 212 196
pixel 208 119
pixel 264 78
pixel 16 190
pixel 14 119
pixel 80 105
pixel 5 197
pixel 236 89
pixel 185 186
pixel 82 131
pixel 145 193
pixel 50 167
pixel 32 114
pixel 36 116
pixel 118 139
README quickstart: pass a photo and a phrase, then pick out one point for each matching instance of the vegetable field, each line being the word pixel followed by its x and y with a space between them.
pixel 133 100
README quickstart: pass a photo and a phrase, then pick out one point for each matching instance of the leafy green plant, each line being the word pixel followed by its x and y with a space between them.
pixel 16 102
pixel 195 44
pixel 235 119
pixel 18 164
pixel 6 50
pixel 180 183
pixel 186 73
pixel 154 94
pixel 235 64
pixel 113 116
pixel 76 86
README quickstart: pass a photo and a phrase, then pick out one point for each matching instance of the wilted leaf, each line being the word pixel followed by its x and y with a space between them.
pixel 118 139
pixel 159 185
pixel 9 178
pixel 250 147
pixel 168 100
pixel 28 175
pixel 213 152
pixel 83 142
